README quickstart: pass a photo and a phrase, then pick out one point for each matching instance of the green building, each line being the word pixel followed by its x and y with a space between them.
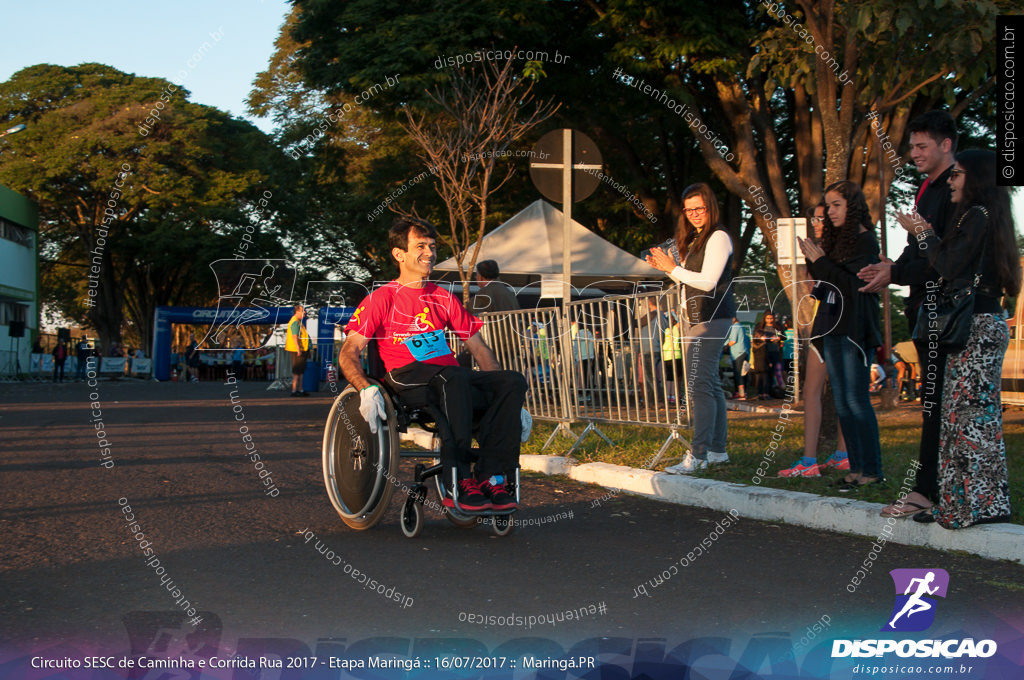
pixel 19 281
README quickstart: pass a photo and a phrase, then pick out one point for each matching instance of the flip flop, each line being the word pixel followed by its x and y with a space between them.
pixel 909 508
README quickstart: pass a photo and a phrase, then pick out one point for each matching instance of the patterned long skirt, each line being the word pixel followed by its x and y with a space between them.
pixel 973 482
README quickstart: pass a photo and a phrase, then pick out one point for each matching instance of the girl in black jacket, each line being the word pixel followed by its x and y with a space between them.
pixel 848 246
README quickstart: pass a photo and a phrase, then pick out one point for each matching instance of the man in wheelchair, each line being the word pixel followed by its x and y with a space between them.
pixel 408 317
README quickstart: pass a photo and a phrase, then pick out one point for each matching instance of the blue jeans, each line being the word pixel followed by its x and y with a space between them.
pixel 704 344
pixel 850 375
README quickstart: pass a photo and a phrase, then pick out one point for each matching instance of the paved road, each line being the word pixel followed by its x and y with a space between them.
pixel 72 573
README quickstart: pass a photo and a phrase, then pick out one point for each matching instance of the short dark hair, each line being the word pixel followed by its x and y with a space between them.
pixel 398 235
pixel 488 269
pixel 938 125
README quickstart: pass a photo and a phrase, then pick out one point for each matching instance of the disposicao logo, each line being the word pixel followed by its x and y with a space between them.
pixel 914 610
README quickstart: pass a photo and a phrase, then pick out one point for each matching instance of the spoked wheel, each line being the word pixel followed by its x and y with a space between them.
pixel 454 516
pixel 412 517
pixel 359 465
pixel 502 524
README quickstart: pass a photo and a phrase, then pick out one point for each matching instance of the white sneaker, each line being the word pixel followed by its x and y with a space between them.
pixel 687 466
pixel 714 457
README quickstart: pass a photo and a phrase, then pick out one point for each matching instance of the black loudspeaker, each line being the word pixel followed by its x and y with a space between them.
pixel 64 334
pixel 16 329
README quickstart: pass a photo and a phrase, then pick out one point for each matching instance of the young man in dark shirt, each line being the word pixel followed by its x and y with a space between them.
pixel 494 296
pixel 933 139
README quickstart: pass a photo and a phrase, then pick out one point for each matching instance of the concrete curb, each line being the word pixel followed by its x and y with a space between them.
pixel 992 541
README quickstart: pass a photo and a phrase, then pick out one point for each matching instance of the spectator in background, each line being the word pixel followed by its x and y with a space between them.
pixel 297 344
pixel 739 351
pixel 60 355
pixel 786 367
pixel 877 377
pixel 583 353
pixel 650 335
pixel 493 295
pixel 238 360
pixel 767 352
pixel 192 361
pixel 82 353
pixel 672 360
pixel 905 371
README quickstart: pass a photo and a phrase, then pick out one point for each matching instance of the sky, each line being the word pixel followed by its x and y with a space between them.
pixel 156 40
pixel 151 40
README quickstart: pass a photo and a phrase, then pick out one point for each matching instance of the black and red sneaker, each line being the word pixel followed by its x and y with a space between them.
pixel 500 497
pixel 471 497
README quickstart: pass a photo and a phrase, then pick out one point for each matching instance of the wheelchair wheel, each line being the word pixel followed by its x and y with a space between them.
pixel 454 516
pixel 412 517
pixel 502 524
pixel 358 465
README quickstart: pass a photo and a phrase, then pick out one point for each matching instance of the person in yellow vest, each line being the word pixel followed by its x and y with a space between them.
pixel 672 361
pixel 297 344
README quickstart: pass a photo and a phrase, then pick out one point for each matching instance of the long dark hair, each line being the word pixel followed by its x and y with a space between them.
pixel 840 242
pixel 686 233
pixel 761 325
pixel 981 188
pixel 824 223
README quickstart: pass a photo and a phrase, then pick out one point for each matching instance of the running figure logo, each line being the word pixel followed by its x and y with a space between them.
pixel 914 609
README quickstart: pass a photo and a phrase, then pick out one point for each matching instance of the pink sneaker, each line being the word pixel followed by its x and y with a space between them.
pixel 837 463
pixel 800 470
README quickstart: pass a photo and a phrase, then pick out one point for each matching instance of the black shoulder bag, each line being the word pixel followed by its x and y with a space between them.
pixel 948 322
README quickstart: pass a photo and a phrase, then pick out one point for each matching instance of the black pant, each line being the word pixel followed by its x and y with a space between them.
pixel 933 372
pixel 455 397
pixel 737 372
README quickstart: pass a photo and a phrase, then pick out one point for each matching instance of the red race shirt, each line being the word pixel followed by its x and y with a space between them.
pixel 408 323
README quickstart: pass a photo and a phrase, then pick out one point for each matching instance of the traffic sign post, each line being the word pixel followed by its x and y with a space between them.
pixel 565 178
pixel 790 229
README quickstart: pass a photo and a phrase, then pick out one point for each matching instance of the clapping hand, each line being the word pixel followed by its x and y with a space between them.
pixel 811 250
pixel 912 222
pixel 661 260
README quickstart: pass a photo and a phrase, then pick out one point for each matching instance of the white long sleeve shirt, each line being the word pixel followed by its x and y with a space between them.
pixel 716 255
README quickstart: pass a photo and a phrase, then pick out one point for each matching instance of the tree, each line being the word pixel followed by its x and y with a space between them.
pixel 755 104
pixel 138 191
pixel 483 112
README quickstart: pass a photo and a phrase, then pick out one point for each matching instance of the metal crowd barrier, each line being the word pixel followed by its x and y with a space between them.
pixel 529 341
pixel 625 363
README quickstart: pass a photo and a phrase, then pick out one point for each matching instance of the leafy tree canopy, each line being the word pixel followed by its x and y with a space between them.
pixel 138 191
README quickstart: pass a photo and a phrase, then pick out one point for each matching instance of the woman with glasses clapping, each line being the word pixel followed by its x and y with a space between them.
pixel 700 258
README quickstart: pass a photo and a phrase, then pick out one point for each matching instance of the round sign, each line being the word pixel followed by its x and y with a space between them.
pixel 547 165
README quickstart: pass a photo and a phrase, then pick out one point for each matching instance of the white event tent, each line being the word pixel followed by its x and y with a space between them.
pixel 528 248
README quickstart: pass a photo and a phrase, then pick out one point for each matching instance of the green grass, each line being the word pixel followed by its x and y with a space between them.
pixel 749 436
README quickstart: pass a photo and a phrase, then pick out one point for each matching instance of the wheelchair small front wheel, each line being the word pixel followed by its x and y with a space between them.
pixel 454 516
pixel 412 518
pixel 502 524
